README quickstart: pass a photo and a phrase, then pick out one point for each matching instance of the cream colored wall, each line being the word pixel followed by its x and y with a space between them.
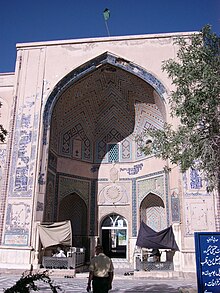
pixel 40 66
pixel 61 57
pixel 53 60
pixel 15 258
pixel 6 98
pixel 43 65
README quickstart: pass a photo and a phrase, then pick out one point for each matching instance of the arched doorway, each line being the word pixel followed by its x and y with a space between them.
pixel 114 236
pixel 73 208
pixel 91 119
pixel 152 212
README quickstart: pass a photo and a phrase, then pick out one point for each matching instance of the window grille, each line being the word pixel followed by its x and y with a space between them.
pixel 113 153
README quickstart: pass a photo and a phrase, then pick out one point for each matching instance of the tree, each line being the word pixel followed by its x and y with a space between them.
pixel 3 131
pixel 196 102
pixel 27 282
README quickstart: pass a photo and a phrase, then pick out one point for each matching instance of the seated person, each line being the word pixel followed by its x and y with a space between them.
pixel 60 252
pixel 156 254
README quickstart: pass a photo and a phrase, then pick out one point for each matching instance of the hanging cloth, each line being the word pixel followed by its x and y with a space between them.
pixel 55 233
pixel 148 238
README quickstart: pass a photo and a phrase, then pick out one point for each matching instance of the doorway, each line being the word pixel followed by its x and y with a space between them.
pixel 114 236
pixel 153 213
pixel 73 208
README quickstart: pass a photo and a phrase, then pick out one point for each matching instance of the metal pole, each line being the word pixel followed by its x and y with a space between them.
pixel 106 24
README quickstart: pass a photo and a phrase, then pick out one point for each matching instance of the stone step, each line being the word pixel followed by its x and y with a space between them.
pixel 122 264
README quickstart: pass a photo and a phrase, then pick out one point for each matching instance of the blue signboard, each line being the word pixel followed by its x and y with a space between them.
pixel 207 245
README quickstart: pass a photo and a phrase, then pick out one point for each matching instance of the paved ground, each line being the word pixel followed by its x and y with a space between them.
pixel 121 284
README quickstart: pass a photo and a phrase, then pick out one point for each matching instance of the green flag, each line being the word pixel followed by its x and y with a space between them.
pixel 106 14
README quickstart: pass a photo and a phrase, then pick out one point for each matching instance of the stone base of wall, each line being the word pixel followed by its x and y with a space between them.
pixel 164 275
pixel 188 261
pixel 15 258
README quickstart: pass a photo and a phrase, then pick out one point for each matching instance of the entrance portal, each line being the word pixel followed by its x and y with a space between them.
pixel 91 119
pixel 73 208
pixel 114 236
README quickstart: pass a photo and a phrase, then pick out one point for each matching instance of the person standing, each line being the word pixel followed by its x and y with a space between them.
pixel 101 272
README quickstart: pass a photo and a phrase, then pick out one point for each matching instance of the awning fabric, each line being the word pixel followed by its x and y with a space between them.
pixel 148 238
pixel 55 233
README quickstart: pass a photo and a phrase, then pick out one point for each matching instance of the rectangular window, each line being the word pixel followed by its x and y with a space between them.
pixel 113 153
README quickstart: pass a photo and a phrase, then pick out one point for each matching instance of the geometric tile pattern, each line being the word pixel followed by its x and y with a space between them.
pixel 106 101
pixel 153 185
pixel 126 150
pixel 50 198
pixel 68 185
pixel 73 208
pixel 109 106
pixel 153 212
pixel 98 117
pixel 195 179
pixel 108 63
pixel 156 218
pixel 152 201
pixel 113 153
pixel 134 208
pixel 175 206
pixel 97 120
pixel 67 138
pixel 93 201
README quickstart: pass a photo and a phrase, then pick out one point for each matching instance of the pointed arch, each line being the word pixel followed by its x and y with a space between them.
pixel 152 211
pixel 72 207
pixel 89 67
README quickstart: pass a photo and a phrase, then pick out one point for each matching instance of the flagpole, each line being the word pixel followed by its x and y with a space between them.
pixel 106 24
pixel 106 14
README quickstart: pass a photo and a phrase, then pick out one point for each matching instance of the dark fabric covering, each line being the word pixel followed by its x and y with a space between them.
pixel 148 238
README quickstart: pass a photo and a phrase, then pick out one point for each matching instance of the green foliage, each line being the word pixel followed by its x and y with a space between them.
pixel 27 283
pixel 196 102
pixel 3 131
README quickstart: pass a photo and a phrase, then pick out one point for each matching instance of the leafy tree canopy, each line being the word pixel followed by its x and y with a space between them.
pixel 3 131
pixel 196 102
pixel 28 280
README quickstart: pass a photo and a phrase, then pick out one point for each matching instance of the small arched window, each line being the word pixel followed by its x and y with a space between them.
pixel 114 221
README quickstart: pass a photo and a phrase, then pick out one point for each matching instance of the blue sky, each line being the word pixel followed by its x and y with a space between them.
pixel 24 21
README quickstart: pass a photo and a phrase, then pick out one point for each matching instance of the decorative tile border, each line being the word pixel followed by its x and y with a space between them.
pixel 90 66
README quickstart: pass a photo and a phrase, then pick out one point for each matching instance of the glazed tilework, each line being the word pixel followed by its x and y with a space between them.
pixel 193 184
pixel 153 201
pixel 198 209
pixel 68 185
pixel 154 184
pixel 111 108
pixel 18 220
pixel 22 152
pixel 175 206
pixel 49 212
pixel 83 70
pixel 134 209
pixel 104 99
